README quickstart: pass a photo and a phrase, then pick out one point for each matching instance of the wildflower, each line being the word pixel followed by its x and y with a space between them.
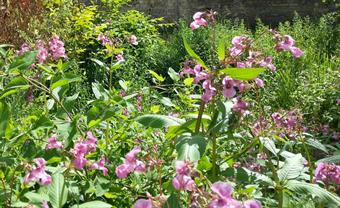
pixel 228 87
pixel 259 82
pixel 120 58
pixel 198 21
pixel 42 52
pixel 328 173
pixel 100 165
pixel 183 180
pixel 54 144
pixel 223 196
pixel 56 47
pixel 209 92
pixel 131 164
pixel 133 40
pixel 268 62
pixel 240 106
pixel 104 40
pixel 23 49
pixel 44 204
pixel 81 149
pixel 143 203
pixel 38 173
pixel 287 44
pixel 238 45
pixel 338 101
pixel 252 203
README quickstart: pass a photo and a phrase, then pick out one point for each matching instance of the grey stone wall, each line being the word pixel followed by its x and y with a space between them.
pixel 269 11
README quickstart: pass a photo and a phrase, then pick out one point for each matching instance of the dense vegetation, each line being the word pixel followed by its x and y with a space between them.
pixel 98 108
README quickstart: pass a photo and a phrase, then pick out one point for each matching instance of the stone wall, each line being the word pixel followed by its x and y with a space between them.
pixel 269 11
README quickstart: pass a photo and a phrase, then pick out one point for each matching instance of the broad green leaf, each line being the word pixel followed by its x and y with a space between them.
pixel 24 61
pixel 260 177
pixel 188 81
pixel 316 144
pixel 292 168
pixel 269 145
pixel 158 121
pixel 157 76
pixel 43 122
pixel 93 204
pixel 221 50
pixel 16 85
pixel 167 102
pixel 172 201
pixel 193 54
pixel 315 191
pixel 35 197
pixel 331 159
pixel 123 84
pixel 4 118
pixel 57 191
pixel 65 80
pixel 173 75
pixel 190 147
pixel 99 91
pixel 242 73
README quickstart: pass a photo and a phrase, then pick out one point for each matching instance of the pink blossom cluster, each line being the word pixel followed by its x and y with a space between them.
pixel 38 174
pixel 286 43
pixel 23 49
pixel 56 47
pixel 256 59
pixel 143 203
pixel 327 173
pixel 53 143
pixel 133 40
pixel 239 45
pixel 198 21
pixel 42 52
pixel 328 132
pixel 183 180
pixel 222 198
pixel 120 57
pixel 131 164
pixel 105 40
pixel 82 148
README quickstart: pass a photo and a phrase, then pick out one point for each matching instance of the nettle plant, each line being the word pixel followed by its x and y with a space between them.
pixel 218 156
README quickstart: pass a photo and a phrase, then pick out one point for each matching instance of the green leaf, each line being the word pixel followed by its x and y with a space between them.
pixel 36 198
pixel 99 91
pixel 158 77
pixel 24 61
pixel 172 201
pixel 269 145
pixel 173 75
pixel 316 144
pixel 93 204
pixel 190 147
pixel 221 50
pixel 65 80
pixel 188 81
pixel 16 85
pixel 57 191
pixel 331 159
pixel 4 118
pixel 123 84
pixel 314 190
pixel 167 102
pixel 242 73
pixel 193 54
pixel 292 168
pixel 158 121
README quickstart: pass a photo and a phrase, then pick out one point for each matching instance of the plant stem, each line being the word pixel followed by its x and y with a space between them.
pixel 199 117
pixel 309 158
pixel 214 156
pixel 278 185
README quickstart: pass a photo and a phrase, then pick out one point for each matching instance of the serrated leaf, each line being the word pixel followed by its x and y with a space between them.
pixel 269 145
pixel 242 73
pixel 292 168
pixel 123 85
pixel 190 147
pixel 35 197
pixel 24 61
pixel 57 191
pixel 173 75
pixel 193 54
pixel 316 144
pixel 158 121
pixel 331 159
pixel 65 80
pixel 93 204
pixel 314 190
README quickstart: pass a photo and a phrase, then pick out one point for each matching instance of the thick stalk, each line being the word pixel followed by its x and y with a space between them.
pixel 199 117
pixel 214 156
pixel 310 163
pixel 278 186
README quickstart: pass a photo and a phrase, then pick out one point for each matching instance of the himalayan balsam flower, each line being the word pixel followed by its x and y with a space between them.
pixel 120 58
pixel 23 49
pixel 81 149
pixel 131 164
pixel 38 173
pixel 42 52
pixel 198 21
pixel 259 82
pixel 223 197
pixel 238 45
pixel 209 91
pixel 100 165
pixel 104 40
pixel 183 180
pixel 328 173
pixel 240 106
pixel 252 204
pixel 44 204
pixel 56 47
pixel 287 44
pixel 54 144
pixel 268 62
pixel 143 203
pixel 133 40
pixel 228 87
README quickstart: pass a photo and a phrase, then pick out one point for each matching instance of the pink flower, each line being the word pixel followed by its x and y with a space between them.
pixel 120 58
pixel 223 190
pixel 328 173
pixel 223 198
pixel 252 204
pixel 338 101
pixel 183 182
pixel 38 173
pixel 42 52
pixel 268 62
pixel 143 203
pixel 79 162
pixel 54 144
pixel 297 52
pixel 228 87
pixel 100 165
pixel 240 106
pixel 104 40
pixel 182 167
pixel 287 44
pixel 209 92
pixel 133 40
pixel 91 142
pixel 198 21
pixel 131 164
pixel 44 204
pixel 123 170
pixel 23 49
pixel 56 46
pixel 238 45
pixel 259 82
